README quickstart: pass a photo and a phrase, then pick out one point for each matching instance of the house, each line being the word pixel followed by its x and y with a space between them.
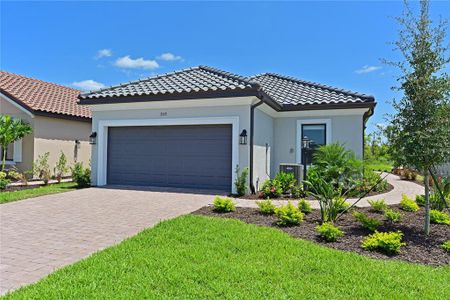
pixel 189 128
pixel 58 122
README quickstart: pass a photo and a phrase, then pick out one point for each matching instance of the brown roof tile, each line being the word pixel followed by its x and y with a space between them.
pixel 41 96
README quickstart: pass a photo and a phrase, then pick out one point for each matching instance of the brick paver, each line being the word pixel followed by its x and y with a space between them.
pixel 42 234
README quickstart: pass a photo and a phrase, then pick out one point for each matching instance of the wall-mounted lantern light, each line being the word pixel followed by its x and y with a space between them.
pixel 243 137
pixel 93 138
pixel 306 142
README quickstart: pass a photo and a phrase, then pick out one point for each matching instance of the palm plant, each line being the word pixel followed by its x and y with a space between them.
pixel 11 130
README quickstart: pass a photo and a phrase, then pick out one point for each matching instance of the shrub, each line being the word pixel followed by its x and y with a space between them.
pixel 41 168
pixel 81 175
pixel 392 215
pixel 272 189
pixel 366 222
pixel 266 207
pixel 386 242
pixel 329 232
pixel 369 180
pixel 407 204
pixel 304 206
pixel 297 191
pixel 435 201
pixel 287 181
pixel 439 217
pixel 3 181
pixel 378 205
pixel 420 200
pixel 340 205
pixel 61 167
pixel 446 246
pixel 288 215
pixel 223 204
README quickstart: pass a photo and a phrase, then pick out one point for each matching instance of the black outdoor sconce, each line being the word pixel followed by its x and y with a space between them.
pixel 93 138
pixel 243 137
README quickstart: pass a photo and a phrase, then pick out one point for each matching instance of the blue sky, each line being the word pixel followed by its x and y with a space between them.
pixel 104 43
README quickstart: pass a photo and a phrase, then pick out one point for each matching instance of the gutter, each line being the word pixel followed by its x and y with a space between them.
pixel 252 130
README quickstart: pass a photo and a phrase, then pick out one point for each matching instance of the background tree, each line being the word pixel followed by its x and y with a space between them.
pixel 11 130
pixel 420 135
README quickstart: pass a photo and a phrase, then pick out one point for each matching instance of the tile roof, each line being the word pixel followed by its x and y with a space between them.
pixel 40 96
pixel 194 80
pixel 285 92
pixel 289 91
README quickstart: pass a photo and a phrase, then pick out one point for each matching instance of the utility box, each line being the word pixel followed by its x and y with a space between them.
pixel 296 169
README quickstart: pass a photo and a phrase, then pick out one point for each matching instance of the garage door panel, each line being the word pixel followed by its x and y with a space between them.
pixel 173 156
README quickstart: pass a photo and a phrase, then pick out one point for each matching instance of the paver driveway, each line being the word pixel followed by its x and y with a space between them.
pixel 42 234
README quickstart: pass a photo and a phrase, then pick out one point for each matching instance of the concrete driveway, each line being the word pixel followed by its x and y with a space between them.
pixel 42 234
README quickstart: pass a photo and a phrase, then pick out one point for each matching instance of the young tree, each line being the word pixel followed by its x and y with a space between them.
pixel 420 135
pixel 11 130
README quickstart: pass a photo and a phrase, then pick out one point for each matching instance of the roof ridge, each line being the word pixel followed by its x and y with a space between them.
pixel 317 85
pixel 230 75
pixel 39 80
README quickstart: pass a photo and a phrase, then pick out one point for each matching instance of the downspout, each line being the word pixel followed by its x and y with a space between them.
pixel 252 130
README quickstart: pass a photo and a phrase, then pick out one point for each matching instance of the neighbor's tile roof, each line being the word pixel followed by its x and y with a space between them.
pixel 193 80
pixel 40 96
pixel 291 91
pixel 285 91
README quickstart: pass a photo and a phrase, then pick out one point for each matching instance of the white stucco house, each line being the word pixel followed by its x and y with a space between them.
pixel 183 129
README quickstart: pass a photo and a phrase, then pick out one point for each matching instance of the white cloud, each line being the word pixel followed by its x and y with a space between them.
pixel 169 57
pixel 103 53
pixel 138 63
pixel 367 69
pixel 88 85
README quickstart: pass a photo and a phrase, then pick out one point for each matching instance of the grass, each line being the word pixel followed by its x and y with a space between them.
pixel 196 257
pixel 378 165
pixel 6 197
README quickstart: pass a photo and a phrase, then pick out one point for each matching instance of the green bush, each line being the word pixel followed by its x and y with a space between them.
pixel 266 207
pixel 41 168
pixel 3 181
pixel 241 181
pixel 386 242
pixel 81 175
pixel 435 201
pixel 223 204
pixel 287 181
pixel 297 191
pixel 446 246
pixel 271 189
pixel 304 206
pixel 329 232
pixel 392 215
pixel 420 200
pixel 366 222
pixel 61 167
pixel 288 215
pixel 407 204
pixel 378 205
pixel 370 180
pixel 340 205
pixel 439 217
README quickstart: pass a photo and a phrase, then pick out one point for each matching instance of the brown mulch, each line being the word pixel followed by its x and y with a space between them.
pixel 419 249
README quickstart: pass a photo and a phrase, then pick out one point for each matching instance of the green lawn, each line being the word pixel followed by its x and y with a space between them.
pixel 378 165
pixel 6 197
pixel 198 257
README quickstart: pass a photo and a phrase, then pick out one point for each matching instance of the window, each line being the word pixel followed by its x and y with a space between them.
pixel 9 152
pixel 317 133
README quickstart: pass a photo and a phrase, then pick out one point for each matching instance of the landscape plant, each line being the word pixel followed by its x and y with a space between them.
pixel 61 167
pixel 419 137
pixel 223 205
pixel 3 180
pixel 288 215
pixel 304 206
pixel 41 168
pixel 287 181
pixel 386 242
pixel 439 217
pixel 81 175
pixel 266 207
pixel 407 204
pixel 378 205
pixel 392 215
pixel 446 246
pixel 271 189
pixel 371 224
pixel 11 130
pixel 241 181
pixel 329 232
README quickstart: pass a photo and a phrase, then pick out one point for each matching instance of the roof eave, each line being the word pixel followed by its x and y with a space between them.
pixel 369 105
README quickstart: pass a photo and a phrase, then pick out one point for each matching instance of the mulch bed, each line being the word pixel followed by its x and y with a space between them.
pixel 390 187
pixel 419 249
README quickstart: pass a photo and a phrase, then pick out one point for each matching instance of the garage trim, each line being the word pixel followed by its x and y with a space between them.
pixel 102 138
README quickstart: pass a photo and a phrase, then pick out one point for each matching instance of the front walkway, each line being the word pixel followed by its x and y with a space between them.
pixel 409 188
pixel 42 234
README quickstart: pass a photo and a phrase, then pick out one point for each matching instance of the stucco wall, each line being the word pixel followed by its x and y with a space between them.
pixel 241 111
pixel 263 148
pixel 55 135
pixel 346 129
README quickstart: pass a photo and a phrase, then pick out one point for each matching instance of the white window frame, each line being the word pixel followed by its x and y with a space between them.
pixel 102 138
pixel 298 152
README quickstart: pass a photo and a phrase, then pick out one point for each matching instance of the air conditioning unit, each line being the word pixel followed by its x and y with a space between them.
pixel 296 169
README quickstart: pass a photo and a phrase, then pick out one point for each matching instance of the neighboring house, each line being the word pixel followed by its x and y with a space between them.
pixel 182 129
pixel 58 122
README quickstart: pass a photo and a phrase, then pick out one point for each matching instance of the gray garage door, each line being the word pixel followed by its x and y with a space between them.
pixel 171 156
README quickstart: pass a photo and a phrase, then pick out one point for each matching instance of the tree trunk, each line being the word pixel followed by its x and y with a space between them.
pixel 3 159
pixel 427 203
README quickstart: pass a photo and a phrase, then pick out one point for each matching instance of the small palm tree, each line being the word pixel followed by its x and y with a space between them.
pixel 11 130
